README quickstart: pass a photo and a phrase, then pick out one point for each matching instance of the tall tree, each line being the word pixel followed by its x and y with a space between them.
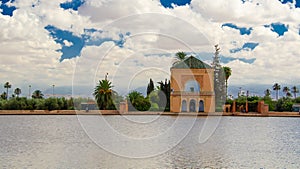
pixel 17 92
pixel 103 95
pixel 37 94
pixel 179 56
pixel 276 87
pixel 150 87
pixel 227 72
pixel 7 85
pixel 286 90
pixel 164 95
pixel 295 90
pixel 219 80
pixel 268 93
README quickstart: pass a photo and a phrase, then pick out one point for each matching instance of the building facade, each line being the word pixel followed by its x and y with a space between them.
pixel 192 86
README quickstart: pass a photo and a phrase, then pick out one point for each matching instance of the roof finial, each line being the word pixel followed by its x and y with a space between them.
pixel 106 76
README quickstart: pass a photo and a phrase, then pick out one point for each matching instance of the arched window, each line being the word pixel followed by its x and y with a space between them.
pixel 192 86
pixel 183 106
pixel 201 106
pixel 192 106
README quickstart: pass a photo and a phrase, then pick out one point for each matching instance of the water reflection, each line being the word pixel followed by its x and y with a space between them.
pixel 60 142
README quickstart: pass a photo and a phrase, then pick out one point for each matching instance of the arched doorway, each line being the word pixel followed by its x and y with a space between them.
pixel 192 106
pixel 183 106
pixel 201 106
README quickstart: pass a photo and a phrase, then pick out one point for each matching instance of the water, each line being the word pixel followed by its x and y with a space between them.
pixel 61 142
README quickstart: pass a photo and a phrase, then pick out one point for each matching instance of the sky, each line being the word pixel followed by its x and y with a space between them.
pixel 74 43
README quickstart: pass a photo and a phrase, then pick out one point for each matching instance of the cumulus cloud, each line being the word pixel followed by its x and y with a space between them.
pixel 30 55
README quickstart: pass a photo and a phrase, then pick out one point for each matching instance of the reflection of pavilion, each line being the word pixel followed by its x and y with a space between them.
pixel 192 86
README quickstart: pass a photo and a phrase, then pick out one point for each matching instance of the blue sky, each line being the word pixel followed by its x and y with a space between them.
pixel 53 40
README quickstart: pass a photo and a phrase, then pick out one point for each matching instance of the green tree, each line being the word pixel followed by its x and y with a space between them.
pixel 138 102
pixel 295 90
pixel 51 104
pixel 7 85
pixel 284 104
pixel 134 97
pixel 297 100
pixel 286 90
pixel 179 56
pixel 103 95
pixel 154 100
pixel 17 92
pixel 227 72
pixel 272 104
pixel 276 87
pixel 37 94
pixel 268 93
pixel 3 95
pixel 164 95
pixel 150 87
pixel 219 81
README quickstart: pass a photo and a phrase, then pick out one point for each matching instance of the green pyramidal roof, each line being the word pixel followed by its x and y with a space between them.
pixel 191 63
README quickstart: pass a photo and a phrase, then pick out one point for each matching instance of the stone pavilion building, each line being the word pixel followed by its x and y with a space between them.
pixel 192 86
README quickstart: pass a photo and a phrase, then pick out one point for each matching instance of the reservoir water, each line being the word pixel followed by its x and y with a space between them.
pixel 52 141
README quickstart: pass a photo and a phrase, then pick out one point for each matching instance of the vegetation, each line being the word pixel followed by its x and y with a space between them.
pixel 104 95
pixel 7 85
pixel 286 90
pixel 219 81
pixel 164 95
pixel 23 103
pixel 268 93
pixel 276 87
pixel 37 94
pixel 227 72
pixel 17 92
pixel 157 99
pixel 295 90
pixel 282 104
pixel 137 102
pixel 179 56
pixel 150 87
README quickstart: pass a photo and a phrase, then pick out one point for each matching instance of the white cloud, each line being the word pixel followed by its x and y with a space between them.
pixel 29 56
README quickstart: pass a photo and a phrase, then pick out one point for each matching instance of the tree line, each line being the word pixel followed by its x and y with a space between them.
pixel 37 94
pixel 37 101
pixel 157 98
pixel 284 103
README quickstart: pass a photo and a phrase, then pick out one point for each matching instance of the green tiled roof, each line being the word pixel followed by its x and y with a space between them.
pixel 191 63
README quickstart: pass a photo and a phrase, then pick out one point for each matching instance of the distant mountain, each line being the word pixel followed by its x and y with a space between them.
pixel 86 91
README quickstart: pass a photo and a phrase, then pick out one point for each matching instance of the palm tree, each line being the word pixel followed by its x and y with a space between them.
pixel 288 94
pixel 179 56
pixel 17 92
pixel 268 93
pixel 286 90
pixel 134 97
pixel 3 95
pixel 103 95
pixel 37 94
pixel 295 90
pixel 276 87
pixel 227 71
pixel 7 86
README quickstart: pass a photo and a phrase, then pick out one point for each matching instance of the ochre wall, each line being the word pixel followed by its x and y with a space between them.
pixel 205 78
